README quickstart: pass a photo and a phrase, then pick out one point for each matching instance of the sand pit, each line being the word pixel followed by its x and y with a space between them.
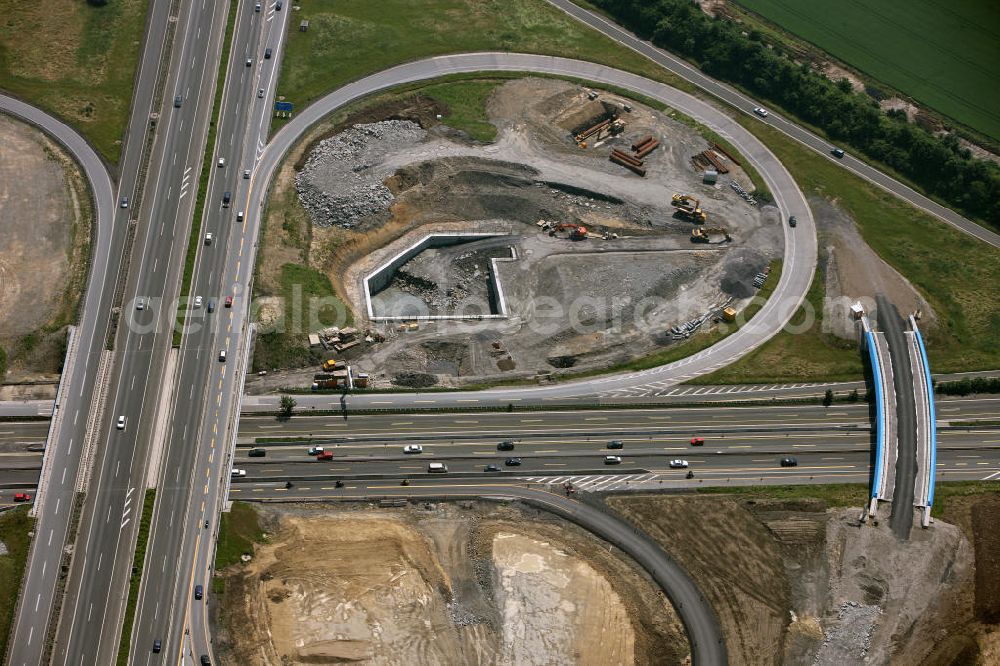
pixel 439 584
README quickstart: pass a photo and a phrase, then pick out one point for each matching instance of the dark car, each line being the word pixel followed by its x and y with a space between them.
pixel 491 468
pixel 792 221
pixel 226 198
pixel 505 445
pixel 177 101
pixel 267 54
pixel 615 444
pixel 205 661
pixel 257 453
pixel 211 305
pixel 512 462
pixel 838 153
pixel 789 462
pixel 199 592
pixel 156 646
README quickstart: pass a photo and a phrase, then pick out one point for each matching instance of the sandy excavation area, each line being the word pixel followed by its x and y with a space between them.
pixel 44 218
pixel 379 186
pixel 439 584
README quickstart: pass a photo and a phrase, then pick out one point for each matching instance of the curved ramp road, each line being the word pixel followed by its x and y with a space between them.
pixel 55 498
pixel 800 243
pixel 740 101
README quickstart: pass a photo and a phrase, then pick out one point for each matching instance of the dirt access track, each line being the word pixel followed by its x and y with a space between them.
pixel 573 304
pixel 455 583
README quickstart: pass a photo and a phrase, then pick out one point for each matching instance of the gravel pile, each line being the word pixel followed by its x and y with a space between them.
pixel 847 640
pixel 341 183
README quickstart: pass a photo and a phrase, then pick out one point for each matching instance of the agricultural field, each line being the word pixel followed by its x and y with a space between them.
pixel 944 55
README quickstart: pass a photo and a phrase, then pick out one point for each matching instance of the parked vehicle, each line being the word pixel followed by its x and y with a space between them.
pixel 22 497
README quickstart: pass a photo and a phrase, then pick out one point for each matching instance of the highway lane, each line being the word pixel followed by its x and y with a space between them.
pixel 37 600
pixel 97 591
pixel 800 243
pixel 206 387
pixel 311 480
pixel 746 105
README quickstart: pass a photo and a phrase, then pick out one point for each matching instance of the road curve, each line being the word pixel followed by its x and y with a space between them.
pixel 728 94
pixel 704 633
pixel 52 525
pixel 800 243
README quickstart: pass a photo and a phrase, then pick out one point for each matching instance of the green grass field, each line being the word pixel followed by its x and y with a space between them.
pixel 943 54
pixel 74 60
pixel 14 528
pixel 238 532
pixel 349 39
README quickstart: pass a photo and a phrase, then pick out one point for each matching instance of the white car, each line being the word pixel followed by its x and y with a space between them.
pixel 237 473
pixel 760 111
pixel 678 464
pixel 197 302
pixel 222 162
pixel 140 304
pixel 121 422
pixel 413 448
pixel 315 450
pixel 222 356
pixel 260 93
pixel 439 468
pixel 246 173
pixel 208 238
pixel 612 460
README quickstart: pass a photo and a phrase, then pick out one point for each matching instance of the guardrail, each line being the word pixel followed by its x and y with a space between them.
pixel 883 481
pixel 926 430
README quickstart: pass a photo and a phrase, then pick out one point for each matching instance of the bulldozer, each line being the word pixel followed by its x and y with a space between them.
pixel 704 234
pixel 689 207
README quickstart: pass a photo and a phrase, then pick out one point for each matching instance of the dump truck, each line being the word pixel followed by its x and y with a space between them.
pixel 710 235
pixel 330 365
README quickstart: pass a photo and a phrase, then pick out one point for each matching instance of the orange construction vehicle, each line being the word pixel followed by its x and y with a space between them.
pixel 576 231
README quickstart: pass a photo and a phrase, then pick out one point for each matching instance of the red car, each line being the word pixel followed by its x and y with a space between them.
pixel 326 455
pixel 22 497
pixel 697 441
pixel 229 301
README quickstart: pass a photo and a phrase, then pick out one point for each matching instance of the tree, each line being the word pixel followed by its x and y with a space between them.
pixel 854 396
pixel 287 405
pixel 828 398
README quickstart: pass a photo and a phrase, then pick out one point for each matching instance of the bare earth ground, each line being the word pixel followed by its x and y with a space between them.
pixel 439 584
pixel 45 217
pixel 854 272
pixel 533 171
pixel 795 583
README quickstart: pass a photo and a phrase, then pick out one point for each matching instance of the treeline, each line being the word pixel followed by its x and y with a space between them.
pixel 937 164
pixel 969 386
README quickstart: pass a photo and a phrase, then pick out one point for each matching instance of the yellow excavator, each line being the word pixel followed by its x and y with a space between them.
pixel 689 207
pixel 704 234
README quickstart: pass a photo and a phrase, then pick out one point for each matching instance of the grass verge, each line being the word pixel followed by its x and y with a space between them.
pixel 206 168
pixel 834 494
pixel 136 579
pixel 15 526
pixel 75 60
pixel 944 491
pixel 239 530
pixel 354 38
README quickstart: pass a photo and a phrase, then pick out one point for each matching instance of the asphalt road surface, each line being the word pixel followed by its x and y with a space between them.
pixel 206 390
pixel 36 601
pixel 97 590
pixel 743 103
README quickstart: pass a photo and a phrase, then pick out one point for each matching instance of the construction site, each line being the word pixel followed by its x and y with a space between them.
pixel 593 231
pixel 432 583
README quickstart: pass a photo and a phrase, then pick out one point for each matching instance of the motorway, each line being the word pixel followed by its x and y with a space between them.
pixel 89 626
pixel 95 599
pixel 69 431
pixel 746 104
pixel 205 390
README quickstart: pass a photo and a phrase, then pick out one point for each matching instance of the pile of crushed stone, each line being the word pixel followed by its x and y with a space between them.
pixel 340 184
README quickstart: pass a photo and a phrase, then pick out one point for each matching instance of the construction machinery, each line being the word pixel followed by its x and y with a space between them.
pixel 330 365
pixel 689 207
pixel 710 235
pixel 576 232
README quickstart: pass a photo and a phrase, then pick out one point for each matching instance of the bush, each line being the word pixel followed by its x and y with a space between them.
pixel 969 386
